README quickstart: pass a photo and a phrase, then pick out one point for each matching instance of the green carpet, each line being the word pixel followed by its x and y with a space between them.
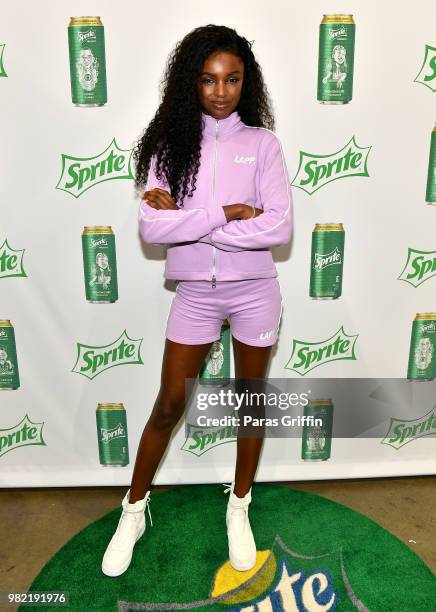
pixel 313 554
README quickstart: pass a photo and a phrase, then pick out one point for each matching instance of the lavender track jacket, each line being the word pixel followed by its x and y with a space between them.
pixel 238 164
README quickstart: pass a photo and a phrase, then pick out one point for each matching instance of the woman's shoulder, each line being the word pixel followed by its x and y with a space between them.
pixel 264 138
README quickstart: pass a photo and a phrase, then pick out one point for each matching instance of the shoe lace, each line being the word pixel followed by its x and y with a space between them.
pixel 229 487
pixel 240 517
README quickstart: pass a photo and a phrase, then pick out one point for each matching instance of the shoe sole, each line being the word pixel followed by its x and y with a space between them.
pixel 242 568
pixel 114 574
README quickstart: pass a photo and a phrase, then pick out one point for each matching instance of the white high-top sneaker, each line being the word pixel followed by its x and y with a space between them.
pixel 242 547
pixel 130 528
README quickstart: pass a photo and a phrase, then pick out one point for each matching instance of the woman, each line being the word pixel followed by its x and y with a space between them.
pixel 218 195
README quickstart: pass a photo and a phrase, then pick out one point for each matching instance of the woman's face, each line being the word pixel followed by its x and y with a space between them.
pixel 220 84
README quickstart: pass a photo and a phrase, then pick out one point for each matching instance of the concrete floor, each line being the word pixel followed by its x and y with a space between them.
pixel 35 523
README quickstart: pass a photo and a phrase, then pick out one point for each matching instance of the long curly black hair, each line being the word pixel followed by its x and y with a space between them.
pixel 174 134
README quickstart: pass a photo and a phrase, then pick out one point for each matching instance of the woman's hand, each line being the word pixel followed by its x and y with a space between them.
pixel 241 211
pixel 247 212
pixel 159 199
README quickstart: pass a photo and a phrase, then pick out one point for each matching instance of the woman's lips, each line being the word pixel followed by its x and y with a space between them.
pixel 220 105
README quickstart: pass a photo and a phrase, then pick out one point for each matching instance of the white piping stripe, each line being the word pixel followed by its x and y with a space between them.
pixel 229 236
pixel 281 307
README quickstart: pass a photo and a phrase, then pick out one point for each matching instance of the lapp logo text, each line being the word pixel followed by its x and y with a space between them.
pixel 307 356
pixel 93 360
pixel 240 159
pixel 81 173
pixel 315 171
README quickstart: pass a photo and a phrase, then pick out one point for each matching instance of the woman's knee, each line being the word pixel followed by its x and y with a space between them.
pixel 167 412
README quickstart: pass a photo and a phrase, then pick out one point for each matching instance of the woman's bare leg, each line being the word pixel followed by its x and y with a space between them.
pixel 180 361
pixel 250 362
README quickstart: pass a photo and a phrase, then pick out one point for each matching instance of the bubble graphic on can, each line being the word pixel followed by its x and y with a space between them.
pixel 316 440
pixel 99 264
pixel 327 260
pixel 113 444
pixel 216 367
pixel 87 61
pixel 9 376
pixel 336 59
pixel 431 175
pixel 422 353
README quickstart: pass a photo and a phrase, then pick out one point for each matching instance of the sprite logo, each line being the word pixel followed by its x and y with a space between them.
pixel 81 173
pixel 315 171
pixel 107 435
pixel 95 242
pixel 26 433
pixel 93 360
pixel 200 440
pixel 335 33
pixel 2 68
pixel 329 259
pixel 428 327
pixel 403 431
pixel 285 580
pixel 11 261
pixel 420 266
pixel 89 35
pixel 427 75
pixel 307 356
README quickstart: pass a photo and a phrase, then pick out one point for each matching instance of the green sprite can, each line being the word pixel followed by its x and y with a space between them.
pixel 316 441
pixel 336 59
pixel 422 354
pixel 216 367
pixel 113 444
pixel 431 176
pixel 87 61
pixel 99 264
pixel 327 260
pixel 9 376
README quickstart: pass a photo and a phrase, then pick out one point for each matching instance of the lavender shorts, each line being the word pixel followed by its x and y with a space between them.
pixel 253 308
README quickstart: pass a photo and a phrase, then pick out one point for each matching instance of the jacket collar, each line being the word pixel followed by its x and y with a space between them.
pixel 230 123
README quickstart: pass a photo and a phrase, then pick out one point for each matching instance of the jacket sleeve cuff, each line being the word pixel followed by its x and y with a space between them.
pixel 217 217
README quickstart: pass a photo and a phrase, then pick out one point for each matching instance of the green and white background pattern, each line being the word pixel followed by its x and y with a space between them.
pixel 384 215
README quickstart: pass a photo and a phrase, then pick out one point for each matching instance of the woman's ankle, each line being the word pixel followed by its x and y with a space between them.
pixel 135 496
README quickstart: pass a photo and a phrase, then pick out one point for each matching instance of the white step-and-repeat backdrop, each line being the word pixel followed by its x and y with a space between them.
pixel 66 167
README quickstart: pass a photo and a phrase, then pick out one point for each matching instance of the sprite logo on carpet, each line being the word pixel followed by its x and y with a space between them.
pixel 81 173
pixel 280 581
pixel 93 360
pixel 11 261
pixel 307 356
pixel 2 68
pixel 403 431
pixel 25 433
pixel 315 171
pixel 420 266
pixel 427 74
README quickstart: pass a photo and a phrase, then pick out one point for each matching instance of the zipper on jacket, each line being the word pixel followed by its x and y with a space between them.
pixel 213 204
